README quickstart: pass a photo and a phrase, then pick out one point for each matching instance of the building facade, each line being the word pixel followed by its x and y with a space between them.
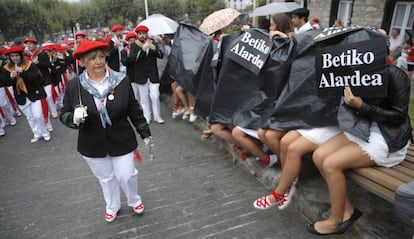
pixel 386 14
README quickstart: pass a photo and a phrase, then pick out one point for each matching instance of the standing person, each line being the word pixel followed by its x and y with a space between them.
pixel 47 66
pixel 300 20
pixel 106 139
pixel 389 128
pixel 145 51
pixel 129 62
pixel 396 41
pixel 27 84
pixel 116 44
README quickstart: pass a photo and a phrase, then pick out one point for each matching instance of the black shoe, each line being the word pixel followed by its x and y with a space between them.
pixel 346 224
pixel 311 229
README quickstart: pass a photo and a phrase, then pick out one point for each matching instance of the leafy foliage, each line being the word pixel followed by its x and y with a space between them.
pixel 50 18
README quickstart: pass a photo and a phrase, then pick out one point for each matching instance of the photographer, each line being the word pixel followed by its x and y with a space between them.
pixel 99 103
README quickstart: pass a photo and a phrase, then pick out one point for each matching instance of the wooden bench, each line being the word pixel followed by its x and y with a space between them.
pixel 382 181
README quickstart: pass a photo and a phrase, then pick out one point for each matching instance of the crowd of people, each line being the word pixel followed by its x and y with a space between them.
pixel 118 78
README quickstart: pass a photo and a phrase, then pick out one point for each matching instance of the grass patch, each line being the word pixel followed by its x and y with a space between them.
pixel 411 111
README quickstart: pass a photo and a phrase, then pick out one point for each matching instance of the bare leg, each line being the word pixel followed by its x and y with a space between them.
pixel 271 139
pixel 222 132
pixel 347 157
pixel 285 141
pixel 182 95
pixel 248 143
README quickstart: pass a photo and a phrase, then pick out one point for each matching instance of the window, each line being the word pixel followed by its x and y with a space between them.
pixel 344 12
pixel 403 17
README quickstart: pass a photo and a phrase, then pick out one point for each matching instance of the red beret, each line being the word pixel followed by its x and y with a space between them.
pixel 88 45
pixel 117 27
pixel 14 49
pixel 316 20
pixel 141 28
pixel 30 39
pixel 48 47
pixel 80 34
pixel 410 56
pixel 130 35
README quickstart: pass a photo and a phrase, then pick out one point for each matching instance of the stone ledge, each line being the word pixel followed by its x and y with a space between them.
pixel 312 200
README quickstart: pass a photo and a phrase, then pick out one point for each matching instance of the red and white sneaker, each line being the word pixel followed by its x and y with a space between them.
pixel 263 203
pixel 287 197
pixel 110 217
pixel 139 209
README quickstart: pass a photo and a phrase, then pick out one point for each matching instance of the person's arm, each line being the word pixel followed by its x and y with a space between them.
pixel 66 113
pixel 396 108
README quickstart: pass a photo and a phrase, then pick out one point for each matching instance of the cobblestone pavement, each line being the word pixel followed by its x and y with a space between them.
pixel 190 190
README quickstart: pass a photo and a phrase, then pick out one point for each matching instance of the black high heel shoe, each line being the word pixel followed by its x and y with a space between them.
pixel 342 227
pixel 346 224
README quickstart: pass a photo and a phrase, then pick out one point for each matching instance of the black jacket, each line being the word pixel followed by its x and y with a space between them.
pixel 391 112
pixel 116 139
pixel 32 80
pixel 113 57
pixel 129 63
pixel 145 63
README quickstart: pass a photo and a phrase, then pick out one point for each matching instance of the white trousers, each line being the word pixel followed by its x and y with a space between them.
pixel 135 89
pixel 34 116
pixel 115 172
pixel 147 91
pixel 6 105
pixel 49 98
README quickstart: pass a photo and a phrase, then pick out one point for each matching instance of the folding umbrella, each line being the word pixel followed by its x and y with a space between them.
pixel 218 20
pixel 275 7
pixel 159 24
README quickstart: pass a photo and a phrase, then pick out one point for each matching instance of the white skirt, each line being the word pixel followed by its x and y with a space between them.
pixel 319 135
pixel 252 132
pixel 377 148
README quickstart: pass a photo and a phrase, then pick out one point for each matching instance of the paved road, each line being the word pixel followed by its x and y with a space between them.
pixel 191 190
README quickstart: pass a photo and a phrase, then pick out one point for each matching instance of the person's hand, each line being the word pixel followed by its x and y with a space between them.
pixel 19 69
pixel 13 74
pixel 152 46
pixel 245 28
pixel 80 114
pixel 351 100
pixel 272 34
pixel 147 141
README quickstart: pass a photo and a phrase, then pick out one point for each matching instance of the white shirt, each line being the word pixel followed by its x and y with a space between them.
pixel 395 42
pixel 306 27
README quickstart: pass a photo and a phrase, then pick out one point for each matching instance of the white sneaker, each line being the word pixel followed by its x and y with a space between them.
pixel 13 122
pixel 34 140
pixel 47 138
pixel 287 199
pixel 110 217
pixel 177 112
pixel 193 117
pixel 139 209
pixel 160 121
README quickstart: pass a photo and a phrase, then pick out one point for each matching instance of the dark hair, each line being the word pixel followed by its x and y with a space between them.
pixel 283 22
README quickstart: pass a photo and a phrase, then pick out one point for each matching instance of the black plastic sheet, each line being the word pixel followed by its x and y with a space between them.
pixel 237 87
pixel 187 53
pixel 300 105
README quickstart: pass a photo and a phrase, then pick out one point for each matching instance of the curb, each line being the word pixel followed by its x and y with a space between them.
pixel 312 199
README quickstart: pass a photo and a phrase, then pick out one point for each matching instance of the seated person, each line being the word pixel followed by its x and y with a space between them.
pixel 293 145
pixel 390 132
pixel 248 139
